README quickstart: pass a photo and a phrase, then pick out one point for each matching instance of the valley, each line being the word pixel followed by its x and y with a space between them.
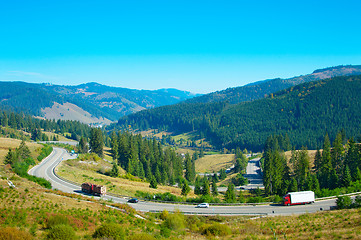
pixel 174 157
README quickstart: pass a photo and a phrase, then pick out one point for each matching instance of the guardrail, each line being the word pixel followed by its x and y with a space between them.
pixel 201 213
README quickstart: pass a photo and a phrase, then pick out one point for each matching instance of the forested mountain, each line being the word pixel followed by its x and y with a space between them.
pixel 261 89
pixel 305 112
pixel 91 100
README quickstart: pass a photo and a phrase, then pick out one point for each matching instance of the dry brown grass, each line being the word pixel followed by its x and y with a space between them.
pixel 6 143
pixel 340 224
pixel 311 154
pixel 210 163
pixel 90 171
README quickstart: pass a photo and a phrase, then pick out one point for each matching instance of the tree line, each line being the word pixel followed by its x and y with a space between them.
pixel 146 159
pixel 305 112
pixel 35 126
pixel 336 166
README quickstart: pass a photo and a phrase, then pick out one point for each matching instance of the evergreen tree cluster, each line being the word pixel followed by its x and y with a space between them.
pixel 241 162
pixel 35 126
pixel 20 160
pixel 334 167
pixel 305 112
pixel 146 159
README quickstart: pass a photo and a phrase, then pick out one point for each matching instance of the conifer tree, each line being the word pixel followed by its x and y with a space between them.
pixel 222 174
pixel 114 145
pixel 96 142
pixel 318 161
pixel 357 175
pixel 214 189
pixel 346 178
pixel 23 151
pixel 337 154
pixel 215 177
pixel 293 186
pixel 153 182
pixel 326 166
pixel 302 166
pixel 197 186
pixel 190 168
pixel 185 188
pixel 230 196
pixel 83 146
pixel 10 157
pixel 115 170
pixel 205 187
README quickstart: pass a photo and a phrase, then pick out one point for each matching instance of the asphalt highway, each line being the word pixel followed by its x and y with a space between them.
pixel 47 167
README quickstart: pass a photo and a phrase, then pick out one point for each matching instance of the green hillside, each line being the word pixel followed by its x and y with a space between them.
pixel 305 112
pixel 261 89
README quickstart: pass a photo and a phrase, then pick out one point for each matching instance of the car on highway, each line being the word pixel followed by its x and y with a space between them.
pixel 203 205
pixel 133 200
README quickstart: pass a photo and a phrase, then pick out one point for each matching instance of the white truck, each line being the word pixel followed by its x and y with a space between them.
pixel 294 198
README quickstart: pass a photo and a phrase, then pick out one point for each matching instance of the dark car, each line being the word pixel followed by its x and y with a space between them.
pixel 133 200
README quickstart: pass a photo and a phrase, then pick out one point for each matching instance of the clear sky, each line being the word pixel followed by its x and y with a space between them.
pixel 199 46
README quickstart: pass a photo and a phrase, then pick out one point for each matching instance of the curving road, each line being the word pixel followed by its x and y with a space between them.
pixel 46 170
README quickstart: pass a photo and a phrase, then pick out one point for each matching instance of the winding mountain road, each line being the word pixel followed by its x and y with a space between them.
pixel 47 167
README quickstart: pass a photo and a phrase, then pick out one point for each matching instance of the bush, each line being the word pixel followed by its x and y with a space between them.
pixel 277 199
pixel 357 203
pixel 142 236
pixel 343 202
pixel 109 230
pixel 216 229
pixel 56 220
pixel 60 232
pixel 10 233
pixel 45 151
pixel 174 221
pixel 255 200
pixel 239 180
pixel 164 231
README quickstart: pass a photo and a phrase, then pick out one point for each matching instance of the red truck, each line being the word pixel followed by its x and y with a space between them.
pixel 94 189
pixel 294 198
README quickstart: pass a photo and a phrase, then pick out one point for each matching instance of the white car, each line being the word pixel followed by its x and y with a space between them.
pixel 203 205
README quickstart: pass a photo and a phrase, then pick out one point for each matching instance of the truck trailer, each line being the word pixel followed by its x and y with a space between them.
pixel 93 189
pixel 294 198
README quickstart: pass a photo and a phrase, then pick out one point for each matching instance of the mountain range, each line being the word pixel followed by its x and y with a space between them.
pixel 97 104
pixel 261 89
pixel 91 103
pixel 306 112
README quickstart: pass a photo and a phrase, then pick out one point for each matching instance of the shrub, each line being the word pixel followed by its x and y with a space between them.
pixel 175 221
pixel 216 229
pixel 164 214
pixel 109 230
pixel 45 151
pixel 343 202
pixel 164 231
pixel 10 233
pixel 277 199
pixel 56 220
pixel 357 202
pixel 255 200
pixel 60 232
pixel 142 236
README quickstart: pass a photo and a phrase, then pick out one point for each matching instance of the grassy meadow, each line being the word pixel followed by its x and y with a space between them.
pixel 93 169
pixel 216 162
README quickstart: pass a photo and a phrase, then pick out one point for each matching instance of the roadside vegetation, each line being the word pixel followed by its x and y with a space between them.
pixel 31 212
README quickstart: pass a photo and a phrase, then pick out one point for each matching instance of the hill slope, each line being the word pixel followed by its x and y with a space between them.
pixel 305 112
pixel 261 89
pixel 91 102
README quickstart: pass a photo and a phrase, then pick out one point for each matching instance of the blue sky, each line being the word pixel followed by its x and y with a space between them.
pixel 199 46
